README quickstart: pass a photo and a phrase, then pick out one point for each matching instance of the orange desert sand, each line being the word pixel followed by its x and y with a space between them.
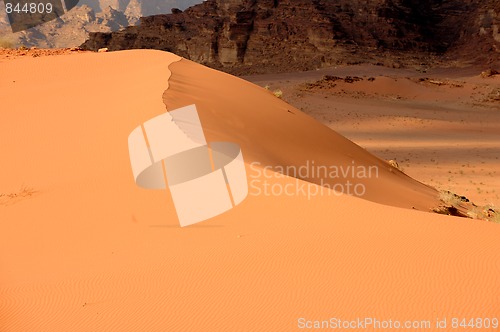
pixel 82 248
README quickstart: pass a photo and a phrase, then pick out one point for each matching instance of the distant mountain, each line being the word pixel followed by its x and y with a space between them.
pixel 243 36
pixel 72 29
pixel 139 7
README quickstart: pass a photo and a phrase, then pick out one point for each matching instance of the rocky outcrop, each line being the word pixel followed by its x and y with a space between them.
pixel 476 36
pixel 282 35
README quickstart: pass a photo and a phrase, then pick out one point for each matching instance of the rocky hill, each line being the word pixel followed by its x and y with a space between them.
pixel 243 36
pixel 73 28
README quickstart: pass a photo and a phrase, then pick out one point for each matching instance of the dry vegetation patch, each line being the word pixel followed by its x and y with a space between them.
pixel 11 198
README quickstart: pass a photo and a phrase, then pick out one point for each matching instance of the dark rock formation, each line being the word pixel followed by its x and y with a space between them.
pixel 243 36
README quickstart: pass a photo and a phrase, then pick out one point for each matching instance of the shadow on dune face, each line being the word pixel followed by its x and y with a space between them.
pixel 277 136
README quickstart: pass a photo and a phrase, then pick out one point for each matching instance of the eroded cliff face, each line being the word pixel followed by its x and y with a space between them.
pixel 476 36
pixel 243 36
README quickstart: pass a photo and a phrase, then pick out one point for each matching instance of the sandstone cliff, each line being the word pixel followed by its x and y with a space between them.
pixel 282 35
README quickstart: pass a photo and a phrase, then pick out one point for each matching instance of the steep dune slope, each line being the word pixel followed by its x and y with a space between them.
pixel 277 135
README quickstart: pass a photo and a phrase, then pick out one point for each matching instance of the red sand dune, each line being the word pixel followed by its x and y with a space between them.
pixel 274 133
pixel 82 248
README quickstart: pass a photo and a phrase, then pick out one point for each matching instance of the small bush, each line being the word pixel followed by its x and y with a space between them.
pixel 395 164
pixel 278 93
pixel 24 192
pixel 5 43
